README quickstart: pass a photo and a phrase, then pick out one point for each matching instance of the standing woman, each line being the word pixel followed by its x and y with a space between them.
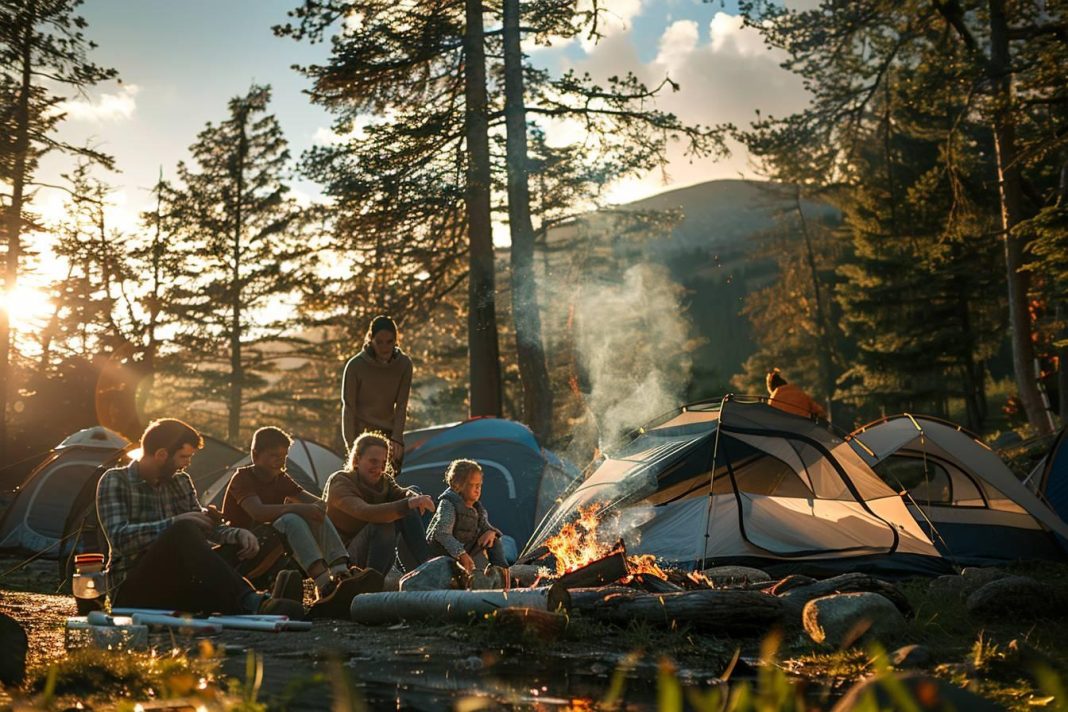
pixel 375 388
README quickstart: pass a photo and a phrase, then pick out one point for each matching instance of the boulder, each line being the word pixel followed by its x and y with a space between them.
pixel 796 598
pixel 911 656
pixel 928 693
pixel 524 574
pixel 13 646
pixel 1016 597
pixel 730 575
pixel 843 619
pixel 438 574
pixel 492 578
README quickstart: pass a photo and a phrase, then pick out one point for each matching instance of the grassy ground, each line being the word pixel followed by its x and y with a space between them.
pixel 590 665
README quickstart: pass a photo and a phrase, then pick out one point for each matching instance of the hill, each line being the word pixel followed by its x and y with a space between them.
pixel 708 238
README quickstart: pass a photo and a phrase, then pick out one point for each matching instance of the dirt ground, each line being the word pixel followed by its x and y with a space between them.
pixel 478 666
pixel 404 666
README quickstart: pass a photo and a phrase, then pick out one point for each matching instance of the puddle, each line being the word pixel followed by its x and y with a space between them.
pixel 419 681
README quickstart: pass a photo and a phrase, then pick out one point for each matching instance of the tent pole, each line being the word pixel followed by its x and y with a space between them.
pixel 711 482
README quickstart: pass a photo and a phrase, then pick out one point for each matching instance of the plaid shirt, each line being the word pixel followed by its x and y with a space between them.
pixel 134 513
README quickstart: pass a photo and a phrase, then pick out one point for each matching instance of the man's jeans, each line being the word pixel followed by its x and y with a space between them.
pixel 180 571
pixel 311 542
pixel 375 547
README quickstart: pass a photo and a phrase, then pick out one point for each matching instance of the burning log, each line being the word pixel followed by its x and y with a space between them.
pixel 451 606
pixel 654 584
pixel 721 611
pixel 606 570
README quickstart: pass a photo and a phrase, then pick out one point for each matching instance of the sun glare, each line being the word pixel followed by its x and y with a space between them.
pixel 26 306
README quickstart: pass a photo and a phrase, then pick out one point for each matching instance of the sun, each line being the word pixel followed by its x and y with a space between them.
pixel 27 307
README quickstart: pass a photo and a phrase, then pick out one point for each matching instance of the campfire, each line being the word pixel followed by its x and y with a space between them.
pixel 586 556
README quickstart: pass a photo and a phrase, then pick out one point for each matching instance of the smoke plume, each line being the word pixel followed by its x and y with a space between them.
pixel 631 339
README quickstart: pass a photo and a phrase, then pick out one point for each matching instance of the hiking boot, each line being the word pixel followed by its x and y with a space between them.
pixel 289 584
pixel 282 607
pixel 336 603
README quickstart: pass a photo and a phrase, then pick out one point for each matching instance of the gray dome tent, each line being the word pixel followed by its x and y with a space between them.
pixel 58 499
pixel 35 520
pixel 739 482
pixel 968 501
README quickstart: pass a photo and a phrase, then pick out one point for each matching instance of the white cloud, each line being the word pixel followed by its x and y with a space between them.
pixel 107 107
pixel 725 78
pixel 327 136
pixel 677 43
pixel 729 36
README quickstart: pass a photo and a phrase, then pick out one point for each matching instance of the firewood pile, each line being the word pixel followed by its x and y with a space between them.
pixel 617 588
pixel 600 581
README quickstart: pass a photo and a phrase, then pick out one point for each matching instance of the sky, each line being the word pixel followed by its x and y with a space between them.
pixel 181 61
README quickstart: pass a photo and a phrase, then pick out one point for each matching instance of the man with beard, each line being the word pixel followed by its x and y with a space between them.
pixel 159 534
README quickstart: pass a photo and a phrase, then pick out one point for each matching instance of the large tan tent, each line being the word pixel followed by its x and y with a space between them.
pixel 737 481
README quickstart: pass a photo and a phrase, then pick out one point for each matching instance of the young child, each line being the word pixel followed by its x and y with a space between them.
pixel 460 527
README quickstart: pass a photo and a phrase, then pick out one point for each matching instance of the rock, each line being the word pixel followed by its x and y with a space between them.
pixel 437 574
pixel 951 587
pixel 516 623
pixel 13 645
pixel 980 576
pixel 727 575
pixel 928 693
pixel 911 656
pixel 970 579
pixel 796 598
pixel 840 620
pixel 791 581
pixel 524 574
pixel 1017 597
pixel 492 578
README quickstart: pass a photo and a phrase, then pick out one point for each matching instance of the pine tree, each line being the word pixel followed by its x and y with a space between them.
pixel 43 60
pixel 1003 63
pixel 410 66
pixel 243 244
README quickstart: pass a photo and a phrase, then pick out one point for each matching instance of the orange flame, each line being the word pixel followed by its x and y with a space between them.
pixel 645 564
pixel 577 545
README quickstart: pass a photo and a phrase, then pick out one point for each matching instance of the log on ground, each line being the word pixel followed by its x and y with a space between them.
pixel 450 606
pixel 710 610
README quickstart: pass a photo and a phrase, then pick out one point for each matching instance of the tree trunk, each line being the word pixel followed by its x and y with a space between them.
pixel 1062 320
pixel 483 352
pixel 828 378
pixel 14 214
pixel 237 374
pixel 1010 185
pixel 530 350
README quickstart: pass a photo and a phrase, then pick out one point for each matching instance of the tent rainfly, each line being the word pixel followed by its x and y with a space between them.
pixel 739 482
pixel 521 479
pixel 968 501
pixel 308 462
pixel 1050 476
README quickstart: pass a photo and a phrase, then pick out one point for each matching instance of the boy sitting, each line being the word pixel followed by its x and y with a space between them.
pixel 460 527
pixel 263 494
